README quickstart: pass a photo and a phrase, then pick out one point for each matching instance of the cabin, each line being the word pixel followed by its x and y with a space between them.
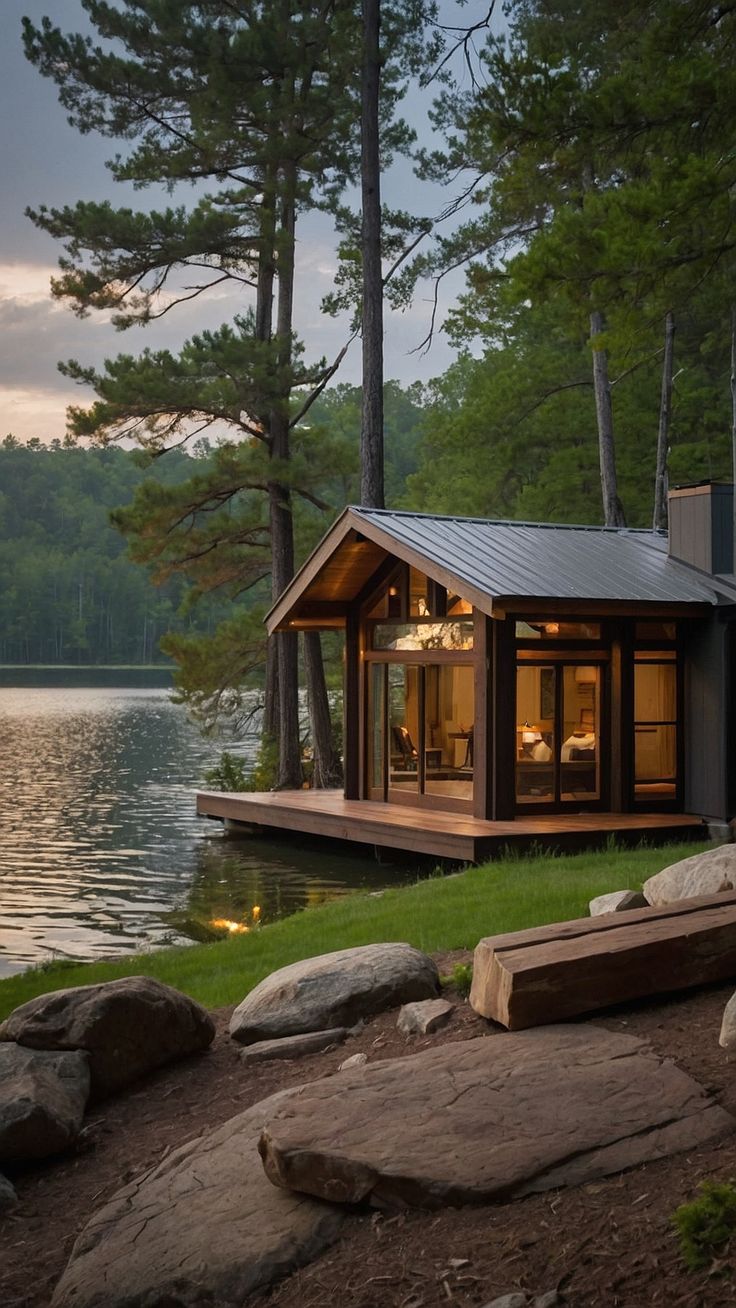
pixel 513 679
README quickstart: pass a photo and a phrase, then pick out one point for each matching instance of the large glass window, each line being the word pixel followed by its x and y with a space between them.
pixel 536 745
pixel 655 726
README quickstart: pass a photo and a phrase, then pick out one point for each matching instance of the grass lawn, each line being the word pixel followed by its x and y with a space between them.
pixel 446 912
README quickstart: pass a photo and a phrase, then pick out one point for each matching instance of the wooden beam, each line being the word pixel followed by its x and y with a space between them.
pixel 552 973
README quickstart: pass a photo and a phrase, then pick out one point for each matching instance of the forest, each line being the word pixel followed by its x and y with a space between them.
pixel 587 155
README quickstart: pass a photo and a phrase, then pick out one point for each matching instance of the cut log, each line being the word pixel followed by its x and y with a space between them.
pixel 553 972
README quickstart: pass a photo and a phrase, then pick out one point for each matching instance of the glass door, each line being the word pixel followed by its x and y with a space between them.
pixel 558 734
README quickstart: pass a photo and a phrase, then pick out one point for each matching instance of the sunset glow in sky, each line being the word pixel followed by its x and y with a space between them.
pixel 45 161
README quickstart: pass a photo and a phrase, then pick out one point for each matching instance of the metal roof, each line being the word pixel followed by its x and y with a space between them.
pixel 549 561
pixel 492 563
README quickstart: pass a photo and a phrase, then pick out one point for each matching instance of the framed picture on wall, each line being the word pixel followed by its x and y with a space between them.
pixel 547 693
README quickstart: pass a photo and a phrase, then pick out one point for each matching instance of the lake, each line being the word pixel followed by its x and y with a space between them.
pixel 101 852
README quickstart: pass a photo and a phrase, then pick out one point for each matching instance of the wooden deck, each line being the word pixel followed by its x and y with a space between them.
pixel 453 836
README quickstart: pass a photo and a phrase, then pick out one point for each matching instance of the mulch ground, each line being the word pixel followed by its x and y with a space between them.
pixel 609 1243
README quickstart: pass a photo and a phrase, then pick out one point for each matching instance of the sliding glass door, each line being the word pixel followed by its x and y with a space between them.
pixel 419 733
pixel 558 734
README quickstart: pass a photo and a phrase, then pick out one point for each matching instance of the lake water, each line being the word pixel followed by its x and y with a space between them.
pixel 101 852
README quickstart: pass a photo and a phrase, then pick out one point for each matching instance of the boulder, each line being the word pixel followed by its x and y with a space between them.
pixel 8 1197
pixel 486 1119
pixel 727 1037
pixel 698 875
pixel 43 1096
pixel 425 1017
pixel 204 1226
pixel 334 990
pixel 618 901
pixel 355 1060
pixel 128 1027
pixel 311 1042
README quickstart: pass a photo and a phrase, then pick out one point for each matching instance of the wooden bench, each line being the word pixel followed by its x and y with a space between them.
pixel 550 973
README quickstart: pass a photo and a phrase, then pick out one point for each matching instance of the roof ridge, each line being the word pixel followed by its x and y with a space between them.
pixel 508 522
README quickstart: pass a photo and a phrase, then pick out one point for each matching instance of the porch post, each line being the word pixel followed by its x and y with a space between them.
pixel 351 706
pixel 483 731
pixel 503 682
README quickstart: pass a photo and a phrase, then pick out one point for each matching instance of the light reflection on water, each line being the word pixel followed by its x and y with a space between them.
pixel 101 852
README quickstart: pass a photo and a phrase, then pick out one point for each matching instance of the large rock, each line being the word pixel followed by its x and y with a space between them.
pixel 42 1101
pixel 8 1197
pixel 727 1037
pixel 488 1118
pixel 617 901
pixel 700 874
pixel 128 1027
pixel 334 990
pixel 203 1227
pixel 310 1042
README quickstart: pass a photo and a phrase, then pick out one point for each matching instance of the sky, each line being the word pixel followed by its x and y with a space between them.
pixel 45 161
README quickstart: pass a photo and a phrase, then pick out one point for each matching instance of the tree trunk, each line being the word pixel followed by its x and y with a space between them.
pixel 279 494
pixel 327 770
pixel 371 431
pixel 663 433
pixel 263 331
pixel 733 426
pixel 613 511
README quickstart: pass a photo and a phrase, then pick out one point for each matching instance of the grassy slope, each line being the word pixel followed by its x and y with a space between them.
pixel 440 914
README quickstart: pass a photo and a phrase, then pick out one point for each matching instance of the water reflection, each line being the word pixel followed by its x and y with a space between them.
pixel 100 849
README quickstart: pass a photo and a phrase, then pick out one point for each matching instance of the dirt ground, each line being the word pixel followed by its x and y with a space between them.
pixel 607 1243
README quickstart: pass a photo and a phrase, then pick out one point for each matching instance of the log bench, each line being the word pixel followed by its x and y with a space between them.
pixel 553 972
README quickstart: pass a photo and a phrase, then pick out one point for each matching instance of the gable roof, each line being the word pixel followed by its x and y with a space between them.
pixel 494 563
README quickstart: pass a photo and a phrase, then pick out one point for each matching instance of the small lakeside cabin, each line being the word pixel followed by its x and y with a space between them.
pixel 520 680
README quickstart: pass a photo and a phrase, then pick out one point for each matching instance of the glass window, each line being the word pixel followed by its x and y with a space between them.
pixel 418 595
pixel 655 728
pixel 403 725
pixel 456 605
pixel 448 730
pixel 535 735
pixel 580 732
pixel 376 728
pixel 554 629
pixel 423 635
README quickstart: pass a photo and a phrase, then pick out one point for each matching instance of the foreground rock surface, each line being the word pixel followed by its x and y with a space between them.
pixel 203 1227
pixel 486 1119
pixel 128 1027
pixel 42 1101
pixel 334 990
pixel 700 874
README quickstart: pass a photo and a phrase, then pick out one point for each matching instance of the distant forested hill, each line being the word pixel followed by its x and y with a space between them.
pixel 68 592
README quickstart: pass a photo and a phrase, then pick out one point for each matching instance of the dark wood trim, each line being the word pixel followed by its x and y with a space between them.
pixel 729 715
pixel 483 728
pixel 560 608
pixel 419 656
pixel 503 683
pixel 352 707
pixel 571 654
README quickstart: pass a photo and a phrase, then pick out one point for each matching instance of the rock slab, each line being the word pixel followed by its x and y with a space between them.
pixel 425 1017
pixel 334 990
pixel 128 1027
pixel 203 1227
pixel 311 1042
pixel 700 874
pixel 618 901
pixel 43 1096
pixel 486 1119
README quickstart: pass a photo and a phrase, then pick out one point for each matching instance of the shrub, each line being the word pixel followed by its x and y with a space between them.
pixel 706 1225
pixel 460 978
